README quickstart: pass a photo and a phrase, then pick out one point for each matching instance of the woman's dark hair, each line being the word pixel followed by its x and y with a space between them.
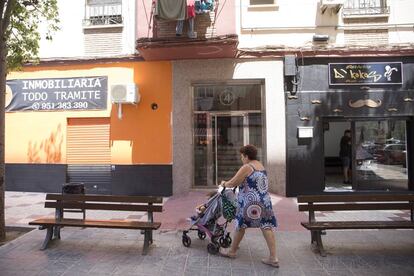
pixel 250 151
pixel 347 131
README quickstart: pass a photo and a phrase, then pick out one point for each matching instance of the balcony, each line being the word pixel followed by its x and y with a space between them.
pixel 102 15
pixel 365 8
pixel 211 33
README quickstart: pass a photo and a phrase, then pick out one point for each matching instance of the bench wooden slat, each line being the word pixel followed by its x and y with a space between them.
pixel 119 224
pixel 355 206
pixel 355 197
pixel 322 225
pixel 105 198
pixel 102 206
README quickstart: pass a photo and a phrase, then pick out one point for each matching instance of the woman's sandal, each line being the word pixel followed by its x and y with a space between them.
pixel 271 263
pixel 227 255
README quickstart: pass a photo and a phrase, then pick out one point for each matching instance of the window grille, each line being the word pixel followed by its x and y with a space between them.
pixel 365 7
pixel 103 12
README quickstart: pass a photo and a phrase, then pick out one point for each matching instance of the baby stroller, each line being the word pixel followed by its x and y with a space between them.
pixel 223 203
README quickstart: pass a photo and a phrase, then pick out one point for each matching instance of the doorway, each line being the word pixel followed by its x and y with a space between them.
pixel 379 156
pixel 217 140
pixel 225 117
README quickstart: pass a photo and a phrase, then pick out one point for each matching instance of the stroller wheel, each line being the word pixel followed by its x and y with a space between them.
pixel 201 235
pixel 212 248
pixel 186 241
pixel 224 242
pixel 228 238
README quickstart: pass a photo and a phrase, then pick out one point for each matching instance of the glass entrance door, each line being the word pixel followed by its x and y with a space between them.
pixel 226 117
pixel 229 134
pixel 217 140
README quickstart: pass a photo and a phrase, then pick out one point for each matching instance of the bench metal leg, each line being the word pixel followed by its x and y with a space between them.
pixel 56 232
pixel 150 237
pixel 319 243
pixel 48 238
pixel 313 238
pixel 147 236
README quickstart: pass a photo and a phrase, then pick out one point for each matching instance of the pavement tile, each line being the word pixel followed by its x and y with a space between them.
pixel 197 261
pixel 355 262
pixel 278 271
pixel 242 271
pixel 148 269
pixel 339 272
pixel 199 271
pixel 103 268
pixel 332 263
pixel 368 272
pixel 219 271
pixel 219 262
pixel 312 272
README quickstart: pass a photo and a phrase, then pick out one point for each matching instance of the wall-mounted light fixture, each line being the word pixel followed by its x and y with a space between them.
pixel 408 99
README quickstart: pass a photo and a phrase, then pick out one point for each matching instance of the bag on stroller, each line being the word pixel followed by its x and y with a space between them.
pixel 223 203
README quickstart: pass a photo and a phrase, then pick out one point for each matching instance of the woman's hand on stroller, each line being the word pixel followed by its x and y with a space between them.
pixel 223 184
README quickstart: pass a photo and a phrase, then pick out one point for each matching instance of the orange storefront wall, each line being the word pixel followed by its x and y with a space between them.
pixel 142 136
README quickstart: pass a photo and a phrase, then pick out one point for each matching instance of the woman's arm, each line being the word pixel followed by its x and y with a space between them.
pixel 238 178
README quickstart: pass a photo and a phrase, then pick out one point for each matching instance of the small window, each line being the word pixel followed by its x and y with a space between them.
pixel 262 2
pixel 103 12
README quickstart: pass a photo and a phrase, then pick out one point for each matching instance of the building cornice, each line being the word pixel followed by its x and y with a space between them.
pixel 62 61
pixel 329 51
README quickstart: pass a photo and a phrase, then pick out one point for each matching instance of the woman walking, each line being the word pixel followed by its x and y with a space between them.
pixel 254 208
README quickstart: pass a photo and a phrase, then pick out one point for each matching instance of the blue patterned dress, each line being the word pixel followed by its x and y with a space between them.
pixel 254 208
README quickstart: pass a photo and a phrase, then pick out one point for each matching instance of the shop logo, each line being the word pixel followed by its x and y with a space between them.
pixel 367 102
pixel 227 97
pixel 388 72
pixel 378 73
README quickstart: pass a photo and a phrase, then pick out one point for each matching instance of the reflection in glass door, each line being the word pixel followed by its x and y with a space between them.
pixel 381 155
pixel 217 140
pixel 229 134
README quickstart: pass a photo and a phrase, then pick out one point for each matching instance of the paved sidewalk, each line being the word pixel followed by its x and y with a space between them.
pixel 118 252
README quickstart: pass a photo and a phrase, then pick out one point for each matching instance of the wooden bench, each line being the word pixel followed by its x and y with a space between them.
pixel 353 202
pixel 99 202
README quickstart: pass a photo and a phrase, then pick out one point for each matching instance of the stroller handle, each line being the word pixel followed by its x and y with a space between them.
pixel 224 188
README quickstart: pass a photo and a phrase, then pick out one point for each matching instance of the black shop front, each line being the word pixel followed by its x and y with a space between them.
pixel 373 98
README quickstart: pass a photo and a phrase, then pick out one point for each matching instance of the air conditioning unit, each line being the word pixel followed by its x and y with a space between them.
pixel 125 93
pixel 334 5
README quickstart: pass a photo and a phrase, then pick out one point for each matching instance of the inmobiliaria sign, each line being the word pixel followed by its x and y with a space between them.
pixel 81 93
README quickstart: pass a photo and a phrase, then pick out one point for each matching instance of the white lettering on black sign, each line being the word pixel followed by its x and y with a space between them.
pixel 57 94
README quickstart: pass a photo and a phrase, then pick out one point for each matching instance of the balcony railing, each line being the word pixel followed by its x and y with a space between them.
pixel 107 14
pixel 361 8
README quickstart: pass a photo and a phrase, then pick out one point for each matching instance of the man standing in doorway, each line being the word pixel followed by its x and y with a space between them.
pixel 345 154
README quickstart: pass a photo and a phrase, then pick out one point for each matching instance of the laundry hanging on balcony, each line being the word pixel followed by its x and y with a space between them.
pixel 204 6
pixel 171 9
